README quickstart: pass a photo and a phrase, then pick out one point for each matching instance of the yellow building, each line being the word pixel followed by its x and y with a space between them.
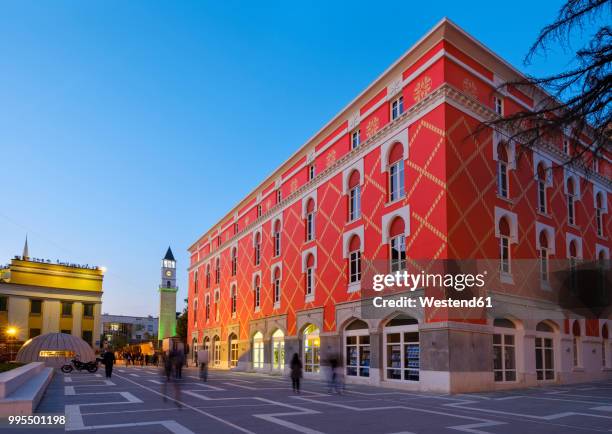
pixel 39 296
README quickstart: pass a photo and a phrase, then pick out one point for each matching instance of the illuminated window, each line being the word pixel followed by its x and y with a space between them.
pixel 258 351
pixel 312 343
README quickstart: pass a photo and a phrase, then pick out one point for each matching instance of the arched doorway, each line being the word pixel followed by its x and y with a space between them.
pixel 357 349
pixel 194 350
pixel 278 350
pixel 206 344
pixel 545 352
pixel 258 351
pixel 216 351
pixel 312 344
pixel 504 350
pixel 233 352
pixel 402 351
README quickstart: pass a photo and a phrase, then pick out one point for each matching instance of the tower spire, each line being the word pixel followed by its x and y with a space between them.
pixel 26 252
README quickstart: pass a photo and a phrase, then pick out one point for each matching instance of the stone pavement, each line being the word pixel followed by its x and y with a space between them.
pixel 139 400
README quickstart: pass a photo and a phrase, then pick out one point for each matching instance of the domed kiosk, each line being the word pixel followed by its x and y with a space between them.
pixel 55 350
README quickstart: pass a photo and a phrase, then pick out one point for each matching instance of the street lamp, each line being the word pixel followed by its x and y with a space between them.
pixel 11 333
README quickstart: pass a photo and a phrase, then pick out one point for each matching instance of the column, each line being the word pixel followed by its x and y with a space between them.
pixel 77 318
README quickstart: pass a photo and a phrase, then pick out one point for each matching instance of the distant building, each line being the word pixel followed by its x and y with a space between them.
pixel 128 329
pixel 38 296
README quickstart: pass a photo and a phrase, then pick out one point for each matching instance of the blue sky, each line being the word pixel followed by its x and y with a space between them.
pixel 129 126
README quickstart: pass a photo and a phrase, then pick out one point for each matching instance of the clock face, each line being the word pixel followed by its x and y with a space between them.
pixel 169 273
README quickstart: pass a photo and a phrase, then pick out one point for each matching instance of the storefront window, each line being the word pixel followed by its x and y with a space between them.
pixel 312 345
pixel 504 360
pixel 544 352
pixel 278 350
pixel 258 351
pixel 357 349
pixel 402 349
pixel 233 350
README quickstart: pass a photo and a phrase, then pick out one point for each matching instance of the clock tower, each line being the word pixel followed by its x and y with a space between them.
pixel 167 297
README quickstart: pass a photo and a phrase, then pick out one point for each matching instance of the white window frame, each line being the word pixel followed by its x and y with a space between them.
pixel 503 332
pixel 397 182
pixel 503 184
pixel 355 139
pixel 399 264
pixel 499 105
pixel 401 330
pixel 358 334
pixel 397 107
pixel 355 267
pixel 354 196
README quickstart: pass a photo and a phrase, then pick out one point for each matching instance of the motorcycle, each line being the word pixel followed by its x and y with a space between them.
pixel 79 366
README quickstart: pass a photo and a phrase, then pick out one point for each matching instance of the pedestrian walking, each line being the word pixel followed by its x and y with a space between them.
pixel 167 360
pixel 108 358
pixel 296 372
pixel 179 361
pixel 203 361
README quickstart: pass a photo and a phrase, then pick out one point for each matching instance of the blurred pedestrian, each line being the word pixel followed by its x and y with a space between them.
pixel 203 361
pixel 167 360
pixel 108 358
pixel 334 380
pixel 179 361
pixel 296 372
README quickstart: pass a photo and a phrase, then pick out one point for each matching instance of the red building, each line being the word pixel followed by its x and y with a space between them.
pixel 397 178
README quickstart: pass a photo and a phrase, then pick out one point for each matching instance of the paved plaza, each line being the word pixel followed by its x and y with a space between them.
pixel 139 400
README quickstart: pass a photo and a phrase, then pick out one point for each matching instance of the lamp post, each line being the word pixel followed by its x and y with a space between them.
pixel 11 332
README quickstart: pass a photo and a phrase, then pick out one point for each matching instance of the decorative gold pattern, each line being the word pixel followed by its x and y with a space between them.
pixel 372 127
pixel 331 158
pixel 469 87
pixel 422 88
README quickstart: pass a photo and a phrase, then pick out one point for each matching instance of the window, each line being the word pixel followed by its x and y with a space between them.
pixel 233 340
pixel 217 305
pixel 217 271
pixel 207 307
pixel 35 307
pixel 88 310
pixel 599 211
pixel 544 257
pixel 566 147
pixel 257 248
pixel 311 172
pixel 195 281
pixel 402 349
pixel 355 139
pixel 277 238
pixel 258 351
pixel 256 290
pixel 354 260
pixel 396 173
pixel 258 210
pixel 88 336
pixel 397 108
pixel 545 365
pixel 357 349
pixel 279 196
pixel 216 351
pixel 504 246
pixel 277 287
pixel 309 275
pixel 3 304
pixel 34 333
pixel 195 311
pixel 218 241
pixel 66 308
pixel 310 220
pixel 234 300
pixel 502 171
pixel 278 350
pixel 573 264
pixel 312 344
pixel 576 344
pixel 499 106
pixel 208 275
pixel 595 164
pixel 397 245
pixel 235 228
pixel 571 202
pixel 541 178
pixel 168 284
pixel 234 261
pixel 504 354
pixel 354 197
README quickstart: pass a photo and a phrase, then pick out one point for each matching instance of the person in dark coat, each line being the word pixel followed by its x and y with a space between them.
pixel 108 358
pixel 296 372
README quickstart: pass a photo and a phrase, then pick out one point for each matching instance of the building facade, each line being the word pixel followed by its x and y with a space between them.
pixel 39 296
pixel 401 176
pixel 124 329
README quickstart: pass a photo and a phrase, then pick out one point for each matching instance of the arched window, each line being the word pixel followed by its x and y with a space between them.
pixel 207 307
pixel 276 238
pixel 217 271
pixel 544 354
pixel 397 245
pixel 354 259
pixel 168 284
pixel 354 197
pixel 195 281
pixel 216 351
pixel 312 344
pixel 258 351
pixel 542 199
pixel 233 354
pixel 234 260
pixel 217 301
pixel 310 220
pixel 571 202
pixel 357 349
pixel 278 350
pixel 504 245
pixel 310 277
pixel 599 213
pixel 544 256
pixel 208 275
pixel 233 300
pixel 206 343
pixel 502 170
pixel 605 346
pixel 396 172
pixel 256 292
pixel 276 282
pixel 402 350
pixel 195 311
pixel 257 248
pixel 576 344
pixel 504 354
